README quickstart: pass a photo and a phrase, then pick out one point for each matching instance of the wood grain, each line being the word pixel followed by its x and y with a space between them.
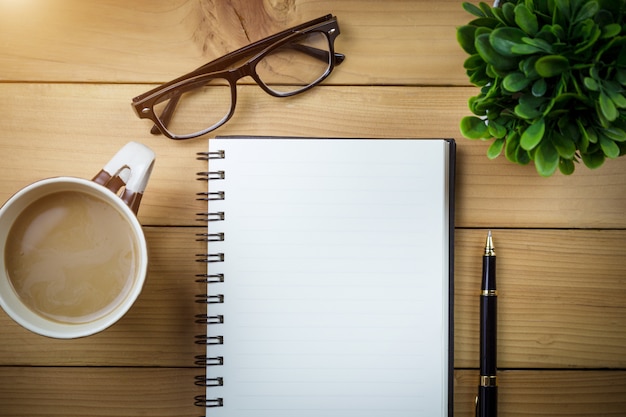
pixel 561 298
pixel 111 392
pixel 104 392
pixel 69 71
pixel 73 129
pixel 550 316
pixel 147 41
pixel 548 393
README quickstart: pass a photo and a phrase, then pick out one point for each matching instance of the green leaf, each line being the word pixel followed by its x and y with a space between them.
pixel 611 86
pixel 491 72
pixel 515 81
pixel 583 143
pixel 526 19
pixel 563 7
pixel 523 156
pixel 565 146
pixel 591 38
pixel 499 14
pixel 611 30
pixel 508 10
pixel 525 49
pixel 496 129
pixel 557 31
pixel 465 35
pixel 551 65
pixel 587 11
pixel 479 76
pixel 481 105
pixel 486 9
pixel 592 135
pixel 512 144
pixel 539 44
pixel 609 147
pixel 473 62
pixel 482 31
pixel 529 107
pixel 485 23
pixel 473 127
pixel 526 112
pixel 469 7
pixel 618 99
pixel 595 72
pixel 513 151
pixel 609 111
pixel 505 38
pixel 566 166
pixel 546 159
pixel 614 133
pixel 539 87
pixel 591 84
pixel 495 149
pixel 593 160
pixel 567 128
pixel 527 66
pixel 533 135
pixel 492 57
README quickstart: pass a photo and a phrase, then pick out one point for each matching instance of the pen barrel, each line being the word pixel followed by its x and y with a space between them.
pixel 489 273
pixel 487 405
pixel 488 335
pixel 488 318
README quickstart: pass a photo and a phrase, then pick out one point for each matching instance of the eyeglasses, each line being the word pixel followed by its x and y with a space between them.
pixel 284 64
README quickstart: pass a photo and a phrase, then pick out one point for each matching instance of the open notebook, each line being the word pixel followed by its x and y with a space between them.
pixel 329 277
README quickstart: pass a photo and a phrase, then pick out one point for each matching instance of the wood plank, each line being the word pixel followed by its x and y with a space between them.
pixel 105 392
pixel 146 41
pixel 558 308
pixel 110 392
pixel 159 330
pixel 73 129
pixel 561 298
pixel 548 393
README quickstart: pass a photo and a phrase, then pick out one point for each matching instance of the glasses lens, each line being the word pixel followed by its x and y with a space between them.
pixel 297 64
pixel 198 106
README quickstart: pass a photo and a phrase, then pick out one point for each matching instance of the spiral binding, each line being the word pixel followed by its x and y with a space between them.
pixel 207 279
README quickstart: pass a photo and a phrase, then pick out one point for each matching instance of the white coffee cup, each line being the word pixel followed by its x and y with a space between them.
pixel 117 188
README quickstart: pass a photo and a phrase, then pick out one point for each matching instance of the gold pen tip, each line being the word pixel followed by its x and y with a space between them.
pixel 489 248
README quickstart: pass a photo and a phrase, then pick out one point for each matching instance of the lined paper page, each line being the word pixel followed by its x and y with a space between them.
pixel 336 278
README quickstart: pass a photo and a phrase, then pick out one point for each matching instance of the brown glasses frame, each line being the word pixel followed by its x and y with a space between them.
pixel 172 90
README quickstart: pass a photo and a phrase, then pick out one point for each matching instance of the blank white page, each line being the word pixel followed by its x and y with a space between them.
pixel 336 257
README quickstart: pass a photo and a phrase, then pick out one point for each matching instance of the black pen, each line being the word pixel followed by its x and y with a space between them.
pixel 487 399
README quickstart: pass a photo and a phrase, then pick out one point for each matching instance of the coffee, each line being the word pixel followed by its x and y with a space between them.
pixel 71 257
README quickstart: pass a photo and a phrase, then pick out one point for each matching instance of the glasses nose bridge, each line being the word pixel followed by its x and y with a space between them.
pixel 245 70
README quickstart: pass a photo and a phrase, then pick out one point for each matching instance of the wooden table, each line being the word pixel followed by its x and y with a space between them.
pixel 68 70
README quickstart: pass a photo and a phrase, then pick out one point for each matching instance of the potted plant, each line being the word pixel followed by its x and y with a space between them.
pixel 552 78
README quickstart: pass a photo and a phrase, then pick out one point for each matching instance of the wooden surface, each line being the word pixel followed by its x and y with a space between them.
pixel 68 70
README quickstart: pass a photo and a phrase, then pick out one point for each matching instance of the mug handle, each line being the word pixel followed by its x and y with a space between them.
pixel 131 167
